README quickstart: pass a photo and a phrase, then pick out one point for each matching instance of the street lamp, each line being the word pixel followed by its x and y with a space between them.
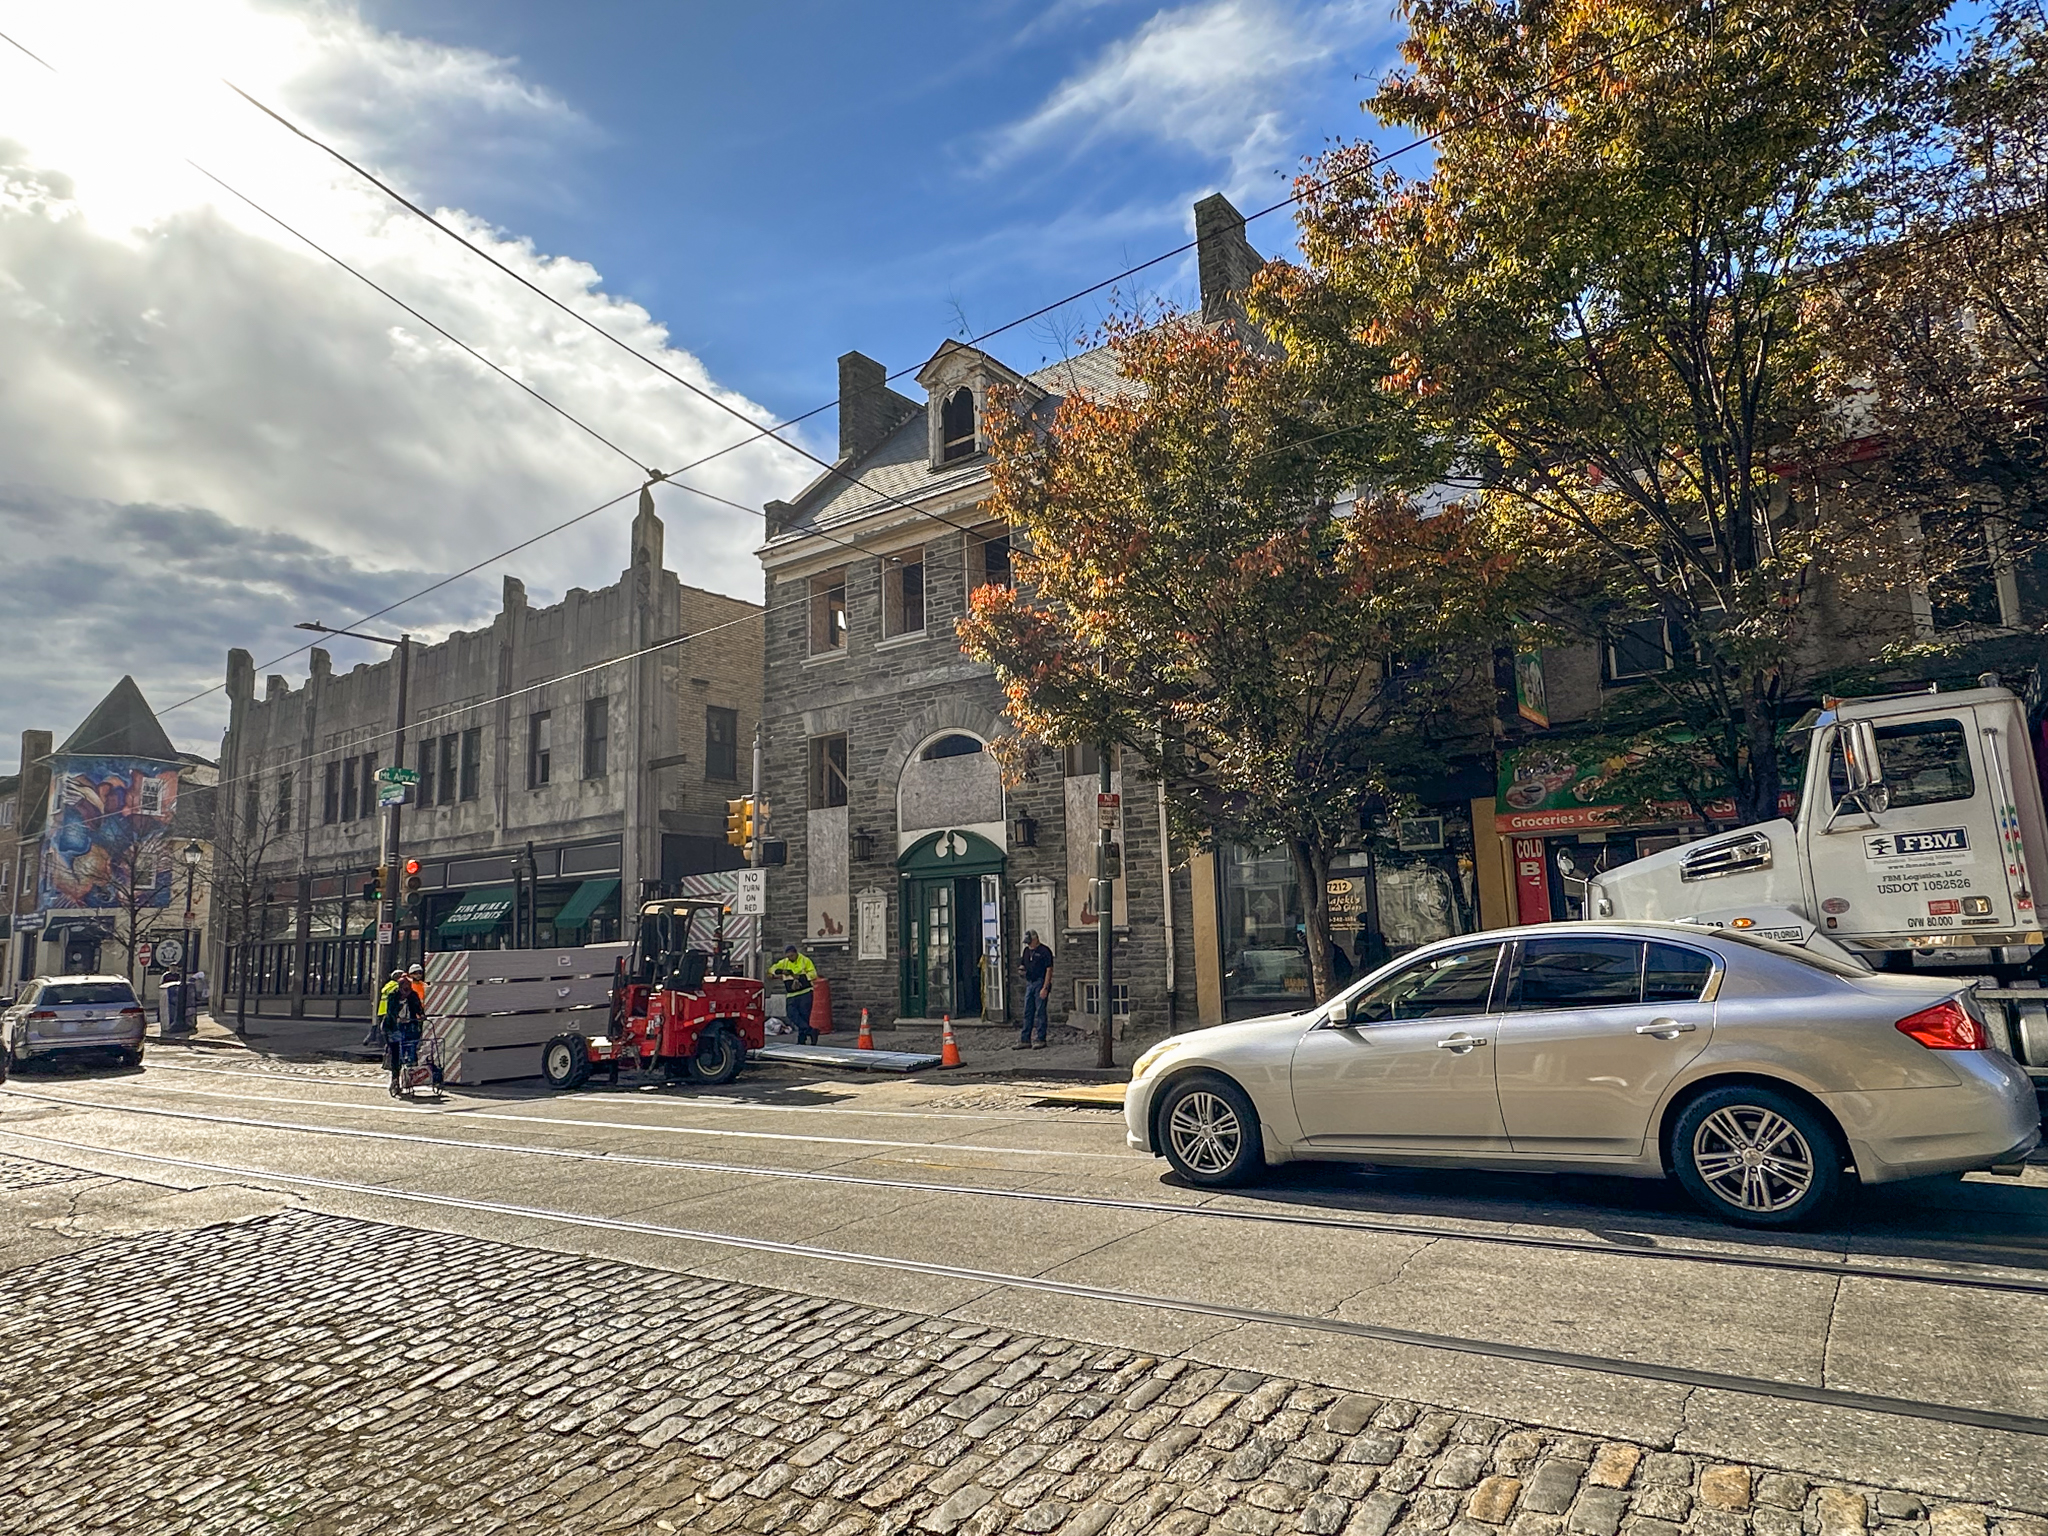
pixel 192 855
pixel 388 836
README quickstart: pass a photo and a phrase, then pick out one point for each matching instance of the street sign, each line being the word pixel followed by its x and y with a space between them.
pixel 28 922
pixel 144 953
pixel 384 934
pixel 169 952
pixel 398 775
pixel 391 794
pixel 1105 811
pixel 752 900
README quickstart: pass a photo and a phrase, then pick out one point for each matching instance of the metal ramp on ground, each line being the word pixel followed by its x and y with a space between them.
pixel 846 1057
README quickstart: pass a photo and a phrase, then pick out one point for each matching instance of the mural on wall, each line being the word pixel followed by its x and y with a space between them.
pixel 108 839
pixel 826 915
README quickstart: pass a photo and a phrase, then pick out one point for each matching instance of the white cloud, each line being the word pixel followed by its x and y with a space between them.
pixel 1219 79
pixel 179 372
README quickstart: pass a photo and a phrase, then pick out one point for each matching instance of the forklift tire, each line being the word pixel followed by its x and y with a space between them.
pixel 719 1057
pixel 565 1062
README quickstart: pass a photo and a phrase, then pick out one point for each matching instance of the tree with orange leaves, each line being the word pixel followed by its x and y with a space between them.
pixel 1606 291
pixel 1197 585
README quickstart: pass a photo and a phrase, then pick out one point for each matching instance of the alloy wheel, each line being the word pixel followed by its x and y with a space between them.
pixel 1205 1132
pixel 1753 1158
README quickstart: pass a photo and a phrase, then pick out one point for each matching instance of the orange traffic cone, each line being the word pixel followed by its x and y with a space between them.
pixel 949 1049
pixel 866 1042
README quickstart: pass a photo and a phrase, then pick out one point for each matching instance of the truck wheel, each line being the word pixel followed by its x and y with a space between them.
pixel 1757 1157
pixel 1210 1132
pixel 565 1062
pixel 719 1057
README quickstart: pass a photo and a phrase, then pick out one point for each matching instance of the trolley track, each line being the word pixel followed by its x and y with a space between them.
pixel 1788 1391
pixel 696 1100
pixel 1719 1258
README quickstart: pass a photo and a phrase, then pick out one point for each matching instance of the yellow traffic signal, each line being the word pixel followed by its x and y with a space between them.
pixel 739 821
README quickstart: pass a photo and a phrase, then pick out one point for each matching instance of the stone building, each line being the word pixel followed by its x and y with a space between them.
pixel 556 780
pixel 913 870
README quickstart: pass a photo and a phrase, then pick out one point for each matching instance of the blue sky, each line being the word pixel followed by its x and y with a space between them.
pixel 204 422
pixel 783 182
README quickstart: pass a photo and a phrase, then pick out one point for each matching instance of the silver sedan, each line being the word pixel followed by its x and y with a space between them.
pixel 1758 1075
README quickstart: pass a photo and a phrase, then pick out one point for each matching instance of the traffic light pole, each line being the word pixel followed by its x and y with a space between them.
pixel 387 841
pixel 754 861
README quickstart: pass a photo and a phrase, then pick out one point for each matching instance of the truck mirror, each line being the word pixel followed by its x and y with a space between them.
pixel 1859 755
pixel 1865 773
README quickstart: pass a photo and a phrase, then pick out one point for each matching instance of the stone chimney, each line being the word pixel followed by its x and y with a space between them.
pixel 1224 258
pixel 869 410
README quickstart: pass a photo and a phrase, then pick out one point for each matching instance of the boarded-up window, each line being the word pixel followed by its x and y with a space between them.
pixel 956 426
pixel 903 593
pixel 828 772
pixel 828 613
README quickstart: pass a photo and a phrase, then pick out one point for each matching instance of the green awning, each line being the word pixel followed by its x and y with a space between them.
pixel 589 895
pixel 479 911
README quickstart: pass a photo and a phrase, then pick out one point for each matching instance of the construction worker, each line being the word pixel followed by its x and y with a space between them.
pixel 380 1021
pixel 404 1024
pixel 798 975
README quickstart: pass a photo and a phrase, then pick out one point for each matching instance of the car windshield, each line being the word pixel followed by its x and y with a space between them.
pixel 104 993
pixel 1819 962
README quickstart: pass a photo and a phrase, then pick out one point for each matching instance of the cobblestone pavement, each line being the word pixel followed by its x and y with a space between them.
pixel 314 1374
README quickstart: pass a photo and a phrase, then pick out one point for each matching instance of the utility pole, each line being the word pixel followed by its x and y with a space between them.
pixel 1105 908
pixel 387 836
pixel 756 831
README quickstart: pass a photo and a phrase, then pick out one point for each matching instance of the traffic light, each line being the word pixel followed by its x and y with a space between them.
pixel 412 881
pixel 739 821
pixel 378 883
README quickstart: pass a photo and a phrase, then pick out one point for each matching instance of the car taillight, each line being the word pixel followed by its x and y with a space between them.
pixel 126 1012
pixel 44 1013
pixel 1945 1027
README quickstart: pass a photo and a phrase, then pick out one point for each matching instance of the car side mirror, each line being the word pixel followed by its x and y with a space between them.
pixel 1338 1016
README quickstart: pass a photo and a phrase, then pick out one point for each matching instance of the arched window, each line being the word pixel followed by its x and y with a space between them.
pixel 955 745
pixel 956 426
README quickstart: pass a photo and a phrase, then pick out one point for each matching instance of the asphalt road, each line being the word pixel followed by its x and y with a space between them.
pixel 1901 1347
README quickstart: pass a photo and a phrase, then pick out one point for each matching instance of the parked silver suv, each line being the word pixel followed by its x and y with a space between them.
pixel 57 1014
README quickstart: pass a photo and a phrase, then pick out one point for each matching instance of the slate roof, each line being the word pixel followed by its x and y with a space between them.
pixel 121 725
pixel 901 466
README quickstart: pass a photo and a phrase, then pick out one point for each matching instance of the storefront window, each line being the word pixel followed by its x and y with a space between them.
pixel 1265 956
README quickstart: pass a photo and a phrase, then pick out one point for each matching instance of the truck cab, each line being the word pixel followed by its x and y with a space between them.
pixel 1919 830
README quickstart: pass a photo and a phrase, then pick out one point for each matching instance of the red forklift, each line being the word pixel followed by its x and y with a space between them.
pixel 678 1007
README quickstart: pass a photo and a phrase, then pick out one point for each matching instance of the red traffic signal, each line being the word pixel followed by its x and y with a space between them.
pixel 412 866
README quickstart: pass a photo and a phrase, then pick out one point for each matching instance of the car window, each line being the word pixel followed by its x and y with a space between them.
pixel 1577 973
pixel 116 994
pixel 1675 975
pixel 1924 762
pixel 1440 987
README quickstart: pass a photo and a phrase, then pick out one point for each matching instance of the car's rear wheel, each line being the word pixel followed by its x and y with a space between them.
pixel 719 1057
pixel 1209 1132
pixel 131 1055
pixel 565 1062
pixel 1757 1157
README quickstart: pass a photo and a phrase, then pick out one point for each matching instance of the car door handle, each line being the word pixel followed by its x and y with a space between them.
pixel 1460 1043
pixel 1665 1029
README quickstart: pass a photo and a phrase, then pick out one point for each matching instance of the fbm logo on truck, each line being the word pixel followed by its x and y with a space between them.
pixel 1899 845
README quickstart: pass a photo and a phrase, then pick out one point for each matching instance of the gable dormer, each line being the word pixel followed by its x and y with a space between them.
pixel 957 381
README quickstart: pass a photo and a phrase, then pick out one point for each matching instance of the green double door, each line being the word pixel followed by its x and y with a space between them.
pixel 952 943
pixel 942 947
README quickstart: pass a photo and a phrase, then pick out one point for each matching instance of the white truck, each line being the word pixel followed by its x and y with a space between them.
pixel 1917 844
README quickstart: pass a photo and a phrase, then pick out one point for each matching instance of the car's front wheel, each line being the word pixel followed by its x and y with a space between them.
pixel 1209 1131
pixel 1757 1157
